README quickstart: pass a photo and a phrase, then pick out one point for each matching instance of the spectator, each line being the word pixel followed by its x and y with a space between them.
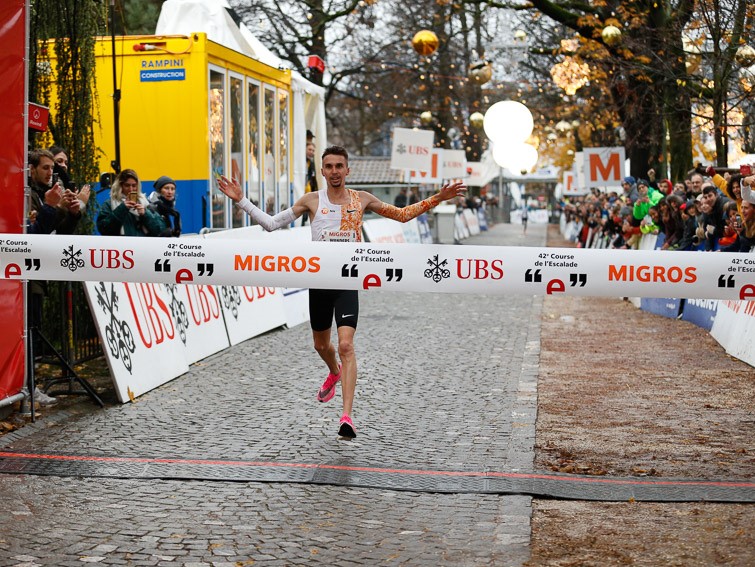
pixel 695 185
pixel 52 209
pixel 680 189
pixel 714 222
pixel 402 199
pixel 630 188
pixel 127 212
pixel 733 190
pixel 733 222
pixel 61 169
pixel 163 202
pixel 689 221
pixel 647 197
pixel 69 209
pixel 651 223
pixel 745 239
pixel 673 226
pixel 310 181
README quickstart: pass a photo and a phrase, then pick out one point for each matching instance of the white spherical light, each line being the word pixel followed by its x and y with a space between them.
pixel 508 120
pixel 516 156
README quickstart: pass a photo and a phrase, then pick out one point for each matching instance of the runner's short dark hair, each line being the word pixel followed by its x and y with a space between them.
pixel 336 151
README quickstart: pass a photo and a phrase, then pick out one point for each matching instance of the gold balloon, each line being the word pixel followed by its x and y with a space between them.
pixel 745 56
pixel 476 119
pixel 692 62
pixel 425 42
pixel 426 117
pixel 480 72
pixel 611 35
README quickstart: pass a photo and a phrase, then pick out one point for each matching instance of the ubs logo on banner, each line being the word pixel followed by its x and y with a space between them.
pixel 479 269
pixel 72 260
pixel 111 259
pixel 118 335
pixel 437 270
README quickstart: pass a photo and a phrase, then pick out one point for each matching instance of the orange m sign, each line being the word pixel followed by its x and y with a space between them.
pixel 604 166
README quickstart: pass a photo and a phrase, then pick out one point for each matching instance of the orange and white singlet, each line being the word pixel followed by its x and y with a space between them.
pixel 337 223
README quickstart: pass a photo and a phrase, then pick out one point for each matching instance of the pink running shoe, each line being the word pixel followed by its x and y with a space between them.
pixel 328 388
pixel 347 427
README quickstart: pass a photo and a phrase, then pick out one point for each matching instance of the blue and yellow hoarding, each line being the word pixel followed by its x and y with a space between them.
pixel 190 109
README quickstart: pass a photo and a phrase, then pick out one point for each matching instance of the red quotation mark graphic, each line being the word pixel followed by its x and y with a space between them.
pixel 372 280
pixel 184 275
pixel 14 270
pixel 746 292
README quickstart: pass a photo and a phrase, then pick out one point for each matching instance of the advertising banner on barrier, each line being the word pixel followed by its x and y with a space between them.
pixel 603 167
pixel 151 333
pixel 701 312
pixel 387 230
pixel 13 113
pixel 141 339
pixel 392 267
pixel 734 328
pixel 251 311
pixel 295 299
pixel 454 164
pixel 434 174
pixel 412 149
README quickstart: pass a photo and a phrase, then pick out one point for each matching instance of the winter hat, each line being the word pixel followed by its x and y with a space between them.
pixel 665 183
pixel 688 205
pixel 629 180
pixel 164 180
pixel 643 182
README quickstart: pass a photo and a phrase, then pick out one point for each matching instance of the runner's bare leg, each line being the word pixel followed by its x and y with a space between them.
pixel 326 350
pixel 348 366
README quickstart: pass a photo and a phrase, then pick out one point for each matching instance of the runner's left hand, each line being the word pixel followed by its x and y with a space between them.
pixel 451 190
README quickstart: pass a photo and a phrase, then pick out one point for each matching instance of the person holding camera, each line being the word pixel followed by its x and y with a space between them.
pixel 127 212
pixel 43 179
pixel 744 227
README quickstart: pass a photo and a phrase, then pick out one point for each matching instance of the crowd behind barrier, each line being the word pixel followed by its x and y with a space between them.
pixel 707 213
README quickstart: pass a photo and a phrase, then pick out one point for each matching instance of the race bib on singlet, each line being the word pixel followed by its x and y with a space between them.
pixel 339 236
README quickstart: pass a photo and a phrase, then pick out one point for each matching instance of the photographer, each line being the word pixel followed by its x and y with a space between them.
pixel 744 225
pixel 42 179
pixel 127 213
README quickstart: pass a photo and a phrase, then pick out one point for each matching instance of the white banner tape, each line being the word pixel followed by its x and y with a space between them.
pixel 394 267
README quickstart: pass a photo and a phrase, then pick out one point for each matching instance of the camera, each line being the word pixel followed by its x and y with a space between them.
pixel 745 170
pixel 55 179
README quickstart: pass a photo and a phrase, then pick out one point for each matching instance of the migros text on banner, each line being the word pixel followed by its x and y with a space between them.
pixel 255 263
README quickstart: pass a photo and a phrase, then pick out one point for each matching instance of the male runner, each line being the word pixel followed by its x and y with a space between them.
pixel 336 215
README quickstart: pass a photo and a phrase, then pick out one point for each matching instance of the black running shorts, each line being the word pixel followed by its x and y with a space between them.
pixel 324 303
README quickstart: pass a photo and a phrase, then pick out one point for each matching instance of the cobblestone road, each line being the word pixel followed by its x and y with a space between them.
pixel 446 382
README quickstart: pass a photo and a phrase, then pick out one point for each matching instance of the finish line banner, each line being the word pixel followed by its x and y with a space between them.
pixel 393 267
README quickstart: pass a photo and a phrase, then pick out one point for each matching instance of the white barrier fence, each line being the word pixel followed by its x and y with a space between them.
pixel 392 267
pixel 734 321
pixel 218 291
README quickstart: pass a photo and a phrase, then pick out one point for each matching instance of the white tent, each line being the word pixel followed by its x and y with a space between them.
pixel 184 17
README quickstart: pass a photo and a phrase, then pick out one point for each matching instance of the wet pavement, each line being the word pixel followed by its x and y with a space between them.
pixel 447 382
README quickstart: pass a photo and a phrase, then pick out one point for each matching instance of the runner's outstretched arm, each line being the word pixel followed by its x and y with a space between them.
pixel 232 190
pixel 405 214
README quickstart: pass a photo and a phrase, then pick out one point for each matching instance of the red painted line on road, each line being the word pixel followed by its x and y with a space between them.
pixel 417 472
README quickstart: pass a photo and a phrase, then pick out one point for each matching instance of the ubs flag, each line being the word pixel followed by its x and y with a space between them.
pixel 13 120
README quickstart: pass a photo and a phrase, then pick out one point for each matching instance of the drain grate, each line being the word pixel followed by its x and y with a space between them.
pixel 549 485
